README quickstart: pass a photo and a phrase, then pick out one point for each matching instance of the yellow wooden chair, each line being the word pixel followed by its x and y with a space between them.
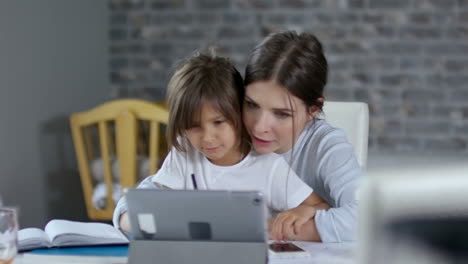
pixel 114 129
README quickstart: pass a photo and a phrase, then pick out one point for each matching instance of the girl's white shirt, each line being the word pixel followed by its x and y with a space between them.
pixel 268 173
pixel 325 160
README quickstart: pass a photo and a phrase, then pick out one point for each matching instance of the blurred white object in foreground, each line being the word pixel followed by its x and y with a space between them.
pixel 415 211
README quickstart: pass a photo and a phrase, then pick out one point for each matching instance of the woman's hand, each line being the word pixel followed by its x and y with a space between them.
pixel 288 223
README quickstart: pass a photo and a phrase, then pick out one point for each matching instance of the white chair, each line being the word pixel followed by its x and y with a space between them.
pixel 353 119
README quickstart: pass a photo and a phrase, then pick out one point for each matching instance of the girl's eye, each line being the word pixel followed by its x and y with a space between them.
pixel 218 122
pixel 193 127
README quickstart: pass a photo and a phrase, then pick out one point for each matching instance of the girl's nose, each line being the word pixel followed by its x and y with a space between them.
pixel 208 136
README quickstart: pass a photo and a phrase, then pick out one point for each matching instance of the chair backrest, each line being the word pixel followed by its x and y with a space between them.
pixel 112 131
pixel 353 119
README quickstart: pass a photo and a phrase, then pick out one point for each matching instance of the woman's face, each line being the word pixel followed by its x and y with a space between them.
pixel 274 118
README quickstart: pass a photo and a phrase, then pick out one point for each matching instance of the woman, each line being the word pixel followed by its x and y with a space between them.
pixel 285 78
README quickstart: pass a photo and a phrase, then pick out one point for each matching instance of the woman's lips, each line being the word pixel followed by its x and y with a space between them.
pixel 261 142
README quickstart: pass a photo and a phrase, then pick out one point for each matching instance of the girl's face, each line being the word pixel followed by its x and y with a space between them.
pixel 215 137
pixel 274 118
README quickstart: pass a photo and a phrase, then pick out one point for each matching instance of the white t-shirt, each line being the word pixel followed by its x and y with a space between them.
pixel 267 173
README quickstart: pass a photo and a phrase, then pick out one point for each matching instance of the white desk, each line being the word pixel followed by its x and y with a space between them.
pixel 321 253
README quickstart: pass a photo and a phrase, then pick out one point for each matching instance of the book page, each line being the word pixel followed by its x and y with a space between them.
pixel 67 233
pixel 29 238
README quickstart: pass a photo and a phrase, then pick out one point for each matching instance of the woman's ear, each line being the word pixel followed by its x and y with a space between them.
pixel 314 110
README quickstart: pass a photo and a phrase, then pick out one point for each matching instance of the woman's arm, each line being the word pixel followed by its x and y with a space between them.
pixel 307 232
pixel 326 159
pixel 339 173
pixel 329 224
pixel 316 201
pixel 289 225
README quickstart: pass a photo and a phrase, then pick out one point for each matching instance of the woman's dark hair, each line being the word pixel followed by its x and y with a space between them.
pixel 205 78
pixel 294 61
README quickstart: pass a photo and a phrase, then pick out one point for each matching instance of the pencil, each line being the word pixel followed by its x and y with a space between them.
pixel 194 181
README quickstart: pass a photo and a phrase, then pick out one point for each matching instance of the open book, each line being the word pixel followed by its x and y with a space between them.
pixel 61 233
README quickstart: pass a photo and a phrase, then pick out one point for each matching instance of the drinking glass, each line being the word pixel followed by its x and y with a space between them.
pixel 8 235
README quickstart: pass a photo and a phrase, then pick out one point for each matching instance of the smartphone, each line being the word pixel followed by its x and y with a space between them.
pixel 286 250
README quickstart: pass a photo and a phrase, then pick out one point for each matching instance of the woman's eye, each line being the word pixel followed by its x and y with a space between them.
pixel 250 104
pixel 218 122
pixel 283 115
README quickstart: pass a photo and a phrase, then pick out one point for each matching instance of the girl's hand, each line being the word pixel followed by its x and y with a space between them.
pixel 124 222
pixel 289 222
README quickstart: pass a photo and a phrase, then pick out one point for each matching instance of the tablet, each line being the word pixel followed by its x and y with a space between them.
pixel 197 215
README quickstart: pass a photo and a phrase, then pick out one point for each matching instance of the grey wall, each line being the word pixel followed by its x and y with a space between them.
pixel 53 61
pixel 407 58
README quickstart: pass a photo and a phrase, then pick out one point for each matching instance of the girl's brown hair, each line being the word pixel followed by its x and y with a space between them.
pixel 200 79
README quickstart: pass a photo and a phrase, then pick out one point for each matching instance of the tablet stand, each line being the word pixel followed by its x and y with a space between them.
pixel 197 252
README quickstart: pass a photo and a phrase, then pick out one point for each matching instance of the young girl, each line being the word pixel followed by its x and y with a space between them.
pixel 284 80
pixel 210 144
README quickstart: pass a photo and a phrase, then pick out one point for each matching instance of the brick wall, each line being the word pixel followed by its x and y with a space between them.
pixel 408 59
